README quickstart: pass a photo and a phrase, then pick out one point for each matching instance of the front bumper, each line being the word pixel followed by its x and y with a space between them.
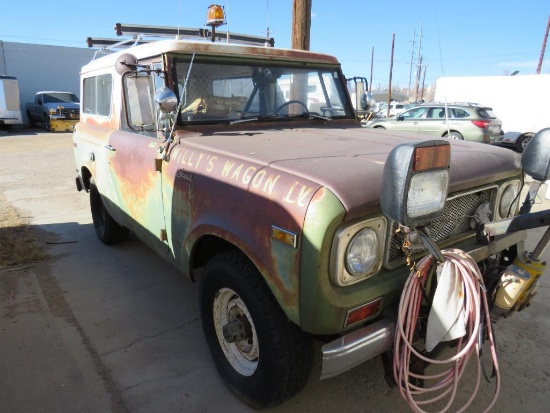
pixel 62 125
pixel 357 347
pixel 363 344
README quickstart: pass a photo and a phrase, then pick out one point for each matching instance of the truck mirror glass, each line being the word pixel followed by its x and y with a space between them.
pixel 415 181
pixel 535 159
pixel 166 100
pixel 126 63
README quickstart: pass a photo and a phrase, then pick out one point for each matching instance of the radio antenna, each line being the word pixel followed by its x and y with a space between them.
pixel 267 19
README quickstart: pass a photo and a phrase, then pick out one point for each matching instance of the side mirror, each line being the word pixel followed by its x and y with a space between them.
pixel 400 117
pixel 416 181
pixel 166 100
pixel 535 159
pixel 126 63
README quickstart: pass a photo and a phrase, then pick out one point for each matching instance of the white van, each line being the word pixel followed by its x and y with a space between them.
pixel 395 108
pixel 10 110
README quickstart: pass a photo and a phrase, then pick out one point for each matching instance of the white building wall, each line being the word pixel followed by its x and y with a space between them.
pixel 41 67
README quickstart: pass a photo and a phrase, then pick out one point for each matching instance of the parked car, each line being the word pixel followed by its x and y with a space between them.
pixel 466 121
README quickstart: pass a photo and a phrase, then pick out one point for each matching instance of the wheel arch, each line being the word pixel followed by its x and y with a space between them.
pixel 216 241
pixel 86 177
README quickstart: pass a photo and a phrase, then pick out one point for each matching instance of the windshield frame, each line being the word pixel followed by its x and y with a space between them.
pixel 254 89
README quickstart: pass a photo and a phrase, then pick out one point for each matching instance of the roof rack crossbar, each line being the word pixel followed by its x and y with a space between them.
pixel 201 33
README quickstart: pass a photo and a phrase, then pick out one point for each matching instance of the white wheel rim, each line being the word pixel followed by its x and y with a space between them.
pixel 243 355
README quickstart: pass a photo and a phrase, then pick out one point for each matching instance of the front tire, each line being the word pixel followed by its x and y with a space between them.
pixel 523 141
pixel 273 362
pixel 47 123
pixel 106 228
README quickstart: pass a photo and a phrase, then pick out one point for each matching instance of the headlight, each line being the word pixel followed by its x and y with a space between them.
pixel 427 193
pixel 361 252
pixel 357 252
pixel 509 200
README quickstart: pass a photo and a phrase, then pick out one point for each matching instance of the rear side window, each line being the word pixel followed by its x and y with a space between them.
pixel 486 113
pixel 97 95
pixel 459 113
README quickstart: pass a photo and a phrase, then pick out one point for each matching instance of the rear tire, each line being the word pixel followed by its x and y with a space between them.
pixel 32 123
pixel 379 127
pixel 274 361
pixel 454 135
pixel 106 228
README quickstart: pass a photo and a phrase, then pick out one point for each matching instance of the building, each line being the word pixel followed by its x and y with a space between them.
pixel 42 67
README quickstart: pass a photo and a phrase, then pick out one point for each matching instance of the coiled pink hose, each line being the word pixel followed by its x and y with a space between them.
pixel 447 381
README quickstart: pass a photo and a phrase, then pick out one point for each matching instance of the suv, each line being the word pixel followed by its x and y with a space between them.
pixel 466 121
pixel 247 169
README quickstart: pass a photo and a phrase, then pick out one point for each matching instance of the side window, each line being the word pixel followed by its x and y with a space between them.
pixel 460 113
pixel 436 113
pixel 97 95
pixel 139 102
pixel 415 113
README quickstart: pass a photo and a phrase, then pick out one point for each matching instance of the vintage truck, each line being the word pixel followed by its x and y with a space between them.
pixel 217 157
pixel 57 111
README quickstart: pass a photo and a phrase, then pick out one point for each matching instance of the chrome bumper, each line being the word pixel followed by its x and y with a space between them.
pixel 357 347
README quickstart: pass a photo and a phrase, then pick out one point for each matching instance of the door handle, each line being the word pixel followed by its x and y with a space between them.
pixel 110 147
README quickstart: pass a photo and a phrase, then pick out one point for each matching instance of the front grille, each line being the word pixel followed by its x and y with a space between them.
pixel 69 113
pixel 453 222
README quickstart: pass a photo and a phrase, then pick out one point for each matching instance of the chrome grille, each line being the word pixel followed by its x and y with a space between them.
pixel 69 113
pixel 453 222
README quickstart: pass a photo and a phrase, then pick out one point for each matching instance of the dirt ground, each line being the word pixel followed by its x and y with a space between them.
pixel 116 329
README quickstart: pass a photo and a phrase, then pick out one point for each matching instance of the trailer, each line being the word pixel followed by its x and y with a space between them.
pixel 521 102
pixel 10 111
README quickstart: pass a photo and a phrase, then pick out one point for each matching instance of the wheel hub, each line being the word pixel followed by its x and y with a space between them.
pixel 236 331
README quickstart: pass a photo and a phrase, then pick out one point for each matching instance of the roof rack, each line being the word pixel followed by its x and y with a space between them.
pixel 138 32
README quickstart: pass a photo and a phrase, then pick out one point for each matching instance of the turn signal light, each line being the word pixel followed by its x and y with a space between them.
pixel 431 157
pixel 363 312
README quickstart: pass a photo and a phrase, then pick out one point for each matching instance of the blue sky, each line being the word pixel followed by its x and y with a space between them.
pixel 459 38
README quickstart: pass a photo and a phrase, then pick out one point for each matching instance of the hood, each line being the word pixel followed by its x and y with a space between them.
pixel 349 160
pixel 65 105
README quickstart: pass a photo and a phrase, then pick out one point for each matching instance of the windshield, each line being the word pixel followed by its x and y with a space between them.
pixel 229 92
pixel 60 98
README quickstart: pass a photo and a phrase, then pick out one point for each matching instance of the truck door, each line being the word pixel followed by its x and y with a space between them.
pixel 134 169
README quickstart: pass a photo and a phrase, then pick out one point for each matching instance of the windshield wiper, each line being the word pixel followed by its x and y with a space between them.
pixel 252 119
pixel 308 115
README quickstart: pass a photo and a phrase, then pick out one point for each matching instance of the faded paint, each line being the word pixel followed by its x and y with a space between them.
pixel 237 181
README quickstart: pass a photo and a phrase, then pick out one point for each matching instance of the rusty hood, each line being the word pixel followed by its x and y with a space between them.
pixel 348 160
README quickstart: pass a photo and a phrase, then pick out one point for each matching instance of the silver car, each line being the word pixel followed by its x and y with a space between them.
pixel 466 121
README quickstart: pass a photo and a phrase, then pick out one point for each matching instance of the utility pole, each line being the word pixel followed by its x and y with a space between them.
pixel 391 70
pixel 411 67
pixel 418 74
pixel 539 67
pixel 419 64
pixel 371 65
pixel 301 24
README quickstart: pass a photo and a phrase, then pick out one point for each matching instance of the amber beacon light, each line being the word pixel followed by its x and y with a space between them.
pixel 215 17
